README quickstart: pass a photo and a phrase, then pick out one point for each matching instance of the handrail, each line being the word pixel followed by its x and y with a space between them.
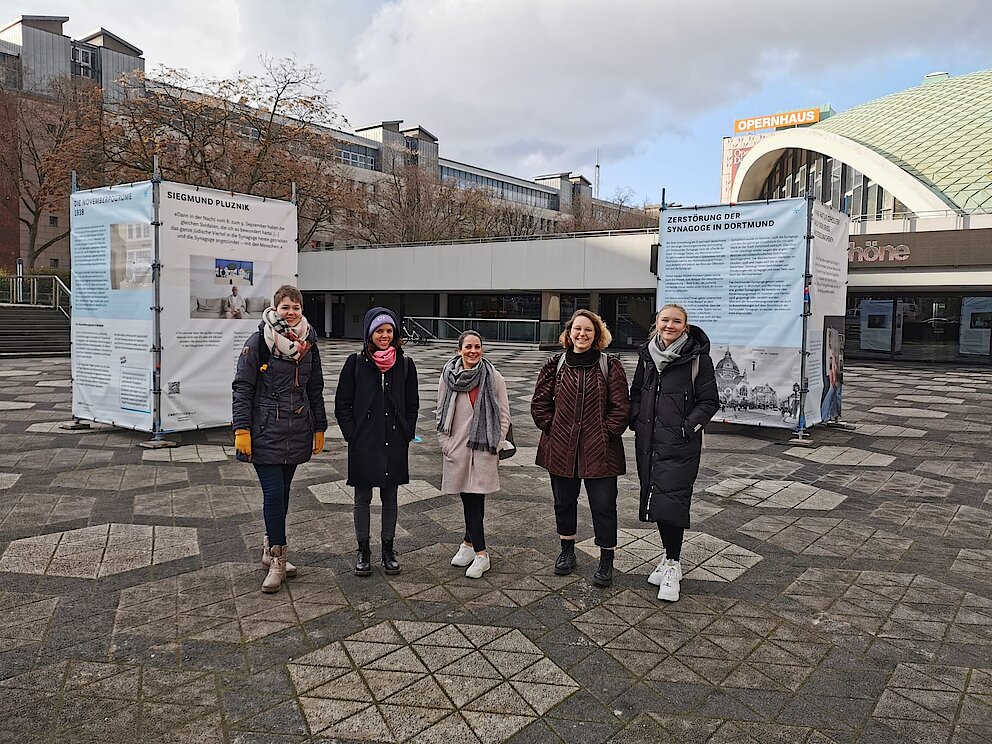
pixel 495 239
pixel 36 290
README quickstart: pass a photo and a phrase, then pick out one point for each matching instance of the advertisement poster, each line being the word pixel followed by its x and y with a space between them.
pixel 223 257
pixel 828 302
pixel 976 326
pixel 112 298
pixel 735 149
pixel 877 318
pixel 738 271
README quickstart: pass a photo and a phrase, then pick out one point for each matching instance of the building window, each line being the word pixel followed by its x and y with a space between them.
pixel 53 263
pixel 53 220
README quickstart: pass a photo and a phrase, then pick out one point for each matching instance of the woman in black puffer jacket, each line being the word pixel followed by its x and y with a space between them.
pixel 376 406
pixel 672 398
pixel 278 415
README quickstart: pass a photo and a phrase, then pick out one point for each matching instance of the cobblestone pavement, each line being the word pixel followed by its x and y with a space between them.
pixel 836 593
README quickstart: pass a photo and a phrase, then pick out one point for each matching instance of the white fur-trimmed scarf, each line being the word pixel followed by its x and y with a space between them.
pixel 283 340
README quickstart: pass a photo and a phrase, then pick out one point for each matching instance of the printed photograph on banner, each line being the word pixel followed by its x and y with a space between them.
pixel 757 385
pixel 233 272
pixel 130 255
pixel 832 367
pixel 228 289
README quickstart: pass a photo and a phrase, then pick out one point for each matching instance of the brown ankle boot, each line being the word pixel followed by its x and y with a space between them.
pixel 277 570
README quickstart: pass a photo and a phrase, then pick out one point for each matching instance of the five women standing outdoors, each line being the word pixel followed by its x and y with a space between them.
pixel 673 396
pixel 473 416
pixel 581 405
pixel 278 416
pixel 376 406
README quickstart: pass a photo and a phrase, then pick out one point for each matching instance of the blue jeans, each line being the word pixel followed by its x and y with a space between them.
pixel 275 481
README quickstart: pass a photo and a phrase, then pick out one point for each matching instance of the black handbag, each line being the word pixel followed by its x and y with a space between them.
pixel 508 448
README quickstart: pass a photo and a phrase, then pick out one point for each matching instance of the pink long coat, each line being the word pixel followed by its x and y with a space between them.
pixel 466 470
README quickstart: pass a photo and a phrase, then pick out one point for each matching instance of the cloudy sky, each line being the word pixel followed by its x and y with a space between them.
pixel 528 87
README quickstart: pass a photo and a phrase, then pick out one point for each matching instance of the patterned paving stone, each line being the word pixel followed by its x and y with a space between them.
pixel 94 701
pixel 704 557
pixel 403 681
pixel 793 649
pixel 976 472
pixel 777 494
pixel 944 520
pixel 122 478
pixel 102 550
pixel 24 619
pixel 837 538
pixel 200 502
pixel 38 510
pixel 339 492
pixel 937 703
pixel 842 456
pixel 890 613
pixel 223 603
pixel 923 413
pixel 15 405
pixel 189 453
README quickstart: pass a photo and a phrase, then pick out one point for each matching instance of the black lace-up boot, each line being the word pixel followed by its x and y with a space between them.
pixel 389 563
pixel 363 561
pixel 604 574
pixel 566 562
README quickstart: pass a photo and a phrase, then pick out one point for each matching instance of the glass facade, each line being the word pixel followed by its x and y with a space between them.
pixel 505 306
pixel 919 327
pixel 835 183
pixel 501 189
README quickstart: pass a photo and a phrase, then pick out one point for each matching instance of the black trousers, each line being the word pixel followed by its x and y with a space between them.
pixel 474 505
pixel 363 503
pixel 602 493
pixel 671 538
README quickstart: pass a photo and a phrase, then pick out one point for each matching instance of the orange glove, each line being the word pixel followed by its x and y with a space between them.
pixel 318 442
pixel 242 441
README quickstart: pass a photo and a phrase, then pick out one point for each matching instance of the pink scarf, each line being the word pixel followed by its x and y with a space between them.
pixel 384 360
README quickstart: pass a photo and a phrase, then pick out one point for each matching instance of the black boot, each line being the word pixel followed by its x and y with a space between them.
pixel 389 563
pixel 363 561
pixel 604 574
pixel 566 559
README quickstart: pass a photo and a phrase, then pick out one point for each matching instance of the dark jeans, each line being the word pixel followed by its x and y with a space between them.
pixel 275 481
pixel 602 493
pixel 474 505
pixel 363 503
pixel 671 538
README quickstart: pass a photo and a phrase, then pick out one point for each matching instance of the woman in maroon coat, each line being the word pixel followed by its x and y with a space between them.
pixel 580 404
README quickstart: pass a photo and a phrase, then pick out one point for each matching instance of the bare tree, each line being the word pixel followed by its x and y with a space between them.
pixel 46 137
pixel 253 134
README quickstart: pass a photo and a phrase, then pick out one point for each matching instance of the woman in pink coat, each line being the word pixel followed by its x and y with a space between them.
pixel 473 416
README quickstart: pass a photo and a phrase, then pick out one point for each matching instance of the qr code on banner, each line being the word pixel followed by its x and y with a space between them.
pixel 173 388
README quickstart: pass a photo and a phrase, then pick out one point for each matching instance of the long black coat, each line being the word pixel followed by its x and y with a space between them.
pixel 667 415
pixel 282 405
pixel 377 414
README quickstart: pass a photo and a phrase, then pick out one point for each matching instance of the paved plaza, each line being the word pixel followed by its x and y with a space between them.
pixel 832 593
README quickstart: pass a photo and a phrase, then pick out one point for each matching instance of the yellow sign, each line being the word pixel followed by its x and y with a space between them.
pixel 776 121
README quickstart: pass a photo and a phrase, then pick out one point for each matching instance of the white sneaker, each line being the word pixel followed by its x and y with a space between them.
pixel 479 566
pixel 655 577
pixel 671 579
pixel 464 556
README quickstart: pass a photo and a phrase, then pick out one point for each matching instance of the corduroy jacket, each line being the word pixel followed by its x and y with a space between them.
pixel 581 417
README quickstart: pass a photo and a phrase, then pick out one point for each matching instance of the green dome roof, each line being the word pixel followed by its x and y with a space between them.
pixel 939 132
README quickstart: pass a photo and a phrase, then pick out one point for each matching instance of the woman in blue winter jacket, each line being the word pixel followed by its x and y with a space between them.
pixel 278 416
pixel 376 406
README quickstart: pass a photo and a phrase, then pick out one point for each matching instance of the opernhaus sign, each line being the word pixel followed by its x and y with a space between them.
pixel 940 248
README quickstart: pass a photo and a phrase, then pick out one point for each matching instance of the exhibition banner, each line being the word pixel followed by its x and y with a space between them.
pixel 111 247
pixel 976 326
pixel 738 270
pixel 223 257
pixel 828 302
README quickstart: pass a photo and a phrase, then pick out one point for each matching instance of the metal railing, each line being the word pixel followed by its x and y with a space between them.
pixel 40 290
pixel 492 329
pixel 493 239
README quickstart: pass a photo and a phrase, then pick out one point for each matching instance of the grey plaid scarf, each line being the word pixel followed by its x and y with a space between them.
pixel 485 430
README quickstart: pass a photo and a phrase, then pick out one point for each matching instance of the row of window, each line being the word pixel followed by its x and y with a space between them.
pixel 501 189
pixel 835 183
pixel 357 156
